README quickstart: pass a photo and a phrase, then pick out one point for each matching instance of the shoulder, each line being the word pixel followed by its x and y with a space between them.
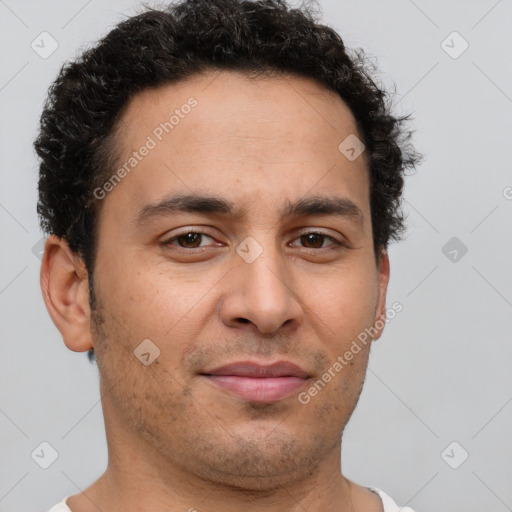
pixel 388 502
pixel 61 506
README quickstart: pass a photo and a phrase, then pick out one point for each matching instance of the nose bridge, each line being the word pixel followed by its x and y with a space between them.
pixel 265 290
pixel 268 270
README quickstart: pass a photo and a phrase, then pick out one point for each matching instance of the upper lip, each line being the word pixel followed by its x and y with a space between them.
pixel 252 369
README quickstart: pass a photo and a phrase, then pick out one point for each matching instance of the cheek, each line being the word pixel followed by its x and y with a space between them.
pixel 146 399
pixel 344 303
pixel 170 310
pixel 149 297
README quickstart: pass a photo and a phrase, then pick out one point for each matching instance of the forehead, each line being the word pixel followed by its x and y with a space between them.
pixel 277 113
pixel 277 136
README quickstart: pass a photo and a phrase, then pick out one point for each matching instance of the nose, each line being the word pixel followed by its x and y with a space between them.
pixel 262 293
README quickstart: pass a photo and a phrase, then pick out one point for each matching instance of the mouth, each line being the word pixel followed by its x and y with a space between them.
pixel 256 382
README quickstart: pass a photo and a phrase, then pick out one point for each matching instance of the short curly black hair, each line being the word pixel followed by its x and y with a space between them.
pixel 160 46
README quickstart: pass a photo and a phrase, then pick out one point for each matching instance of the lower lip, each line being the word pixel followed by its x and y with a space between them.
pixel 258 389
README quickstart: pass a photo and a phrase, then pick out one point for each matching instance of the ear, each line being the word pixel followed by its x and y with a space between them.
pixel 383 279
pixel 65 290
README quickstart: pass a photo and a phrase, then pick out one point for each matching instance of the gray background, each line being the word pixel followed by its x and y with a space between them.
pixel 440 373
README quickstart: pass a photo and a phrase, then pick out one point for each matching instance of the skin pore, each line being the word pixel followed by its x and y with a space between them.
pixel 177 442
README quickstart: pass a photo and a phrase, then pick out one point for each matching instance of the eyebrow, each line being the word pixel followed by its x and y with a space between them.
pixel 219 206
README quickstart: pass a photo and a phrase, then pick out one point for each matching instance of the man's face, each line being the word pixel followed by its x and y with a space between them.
pixel 251 287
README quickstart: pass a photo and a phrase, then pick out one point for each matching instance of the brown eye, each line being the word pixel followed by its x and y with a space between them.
pixel 188 240
pixel 315 240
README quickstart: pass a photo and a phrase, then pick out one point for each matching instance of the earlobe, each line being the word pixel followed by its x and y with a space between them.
pixel 65 291
pixel 383 280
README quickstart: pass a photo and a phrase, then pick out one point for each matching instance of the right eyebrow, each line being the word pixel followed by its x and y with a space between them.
pixel 190 203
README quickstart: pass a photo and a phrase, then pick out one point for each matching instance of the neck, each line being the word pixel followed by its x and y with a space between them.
pixel 144 487
pixel 140 477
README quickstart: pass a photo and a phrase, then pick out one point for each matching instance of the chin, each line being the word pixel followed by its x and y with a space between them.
pixel 260 466
pixel 256 482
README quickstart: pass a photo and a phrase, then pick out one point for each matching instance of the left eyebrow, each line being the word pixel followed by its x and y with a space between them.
pixel 324 205
pixel 212 205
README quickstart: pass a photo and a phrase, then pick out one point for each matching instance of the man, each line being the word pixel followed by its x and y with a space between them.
pixel 220 181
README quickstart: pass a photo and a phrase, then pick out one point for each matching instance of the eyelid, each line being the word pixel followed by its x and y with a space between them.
pixel 305 231
pixel 317 231
pixel 167 240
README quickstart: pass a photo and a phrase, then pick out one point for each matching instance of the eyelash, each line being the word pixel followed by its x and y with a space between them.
pixel 169 241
